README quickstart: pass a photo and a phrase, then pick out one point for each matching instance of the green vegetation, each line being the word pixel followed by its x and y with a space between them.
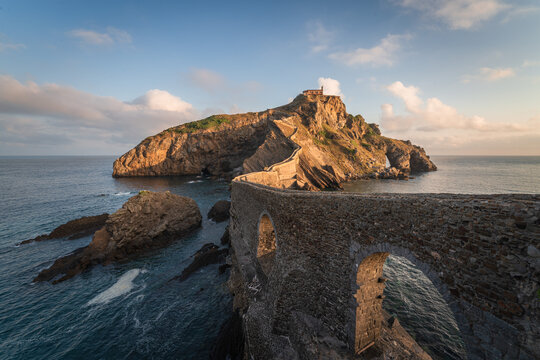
pixel 207 123
pixel 324 134
pixel 366 146
pixel 144 192
pixel 370 131
pixel 323 137
pixel 350 152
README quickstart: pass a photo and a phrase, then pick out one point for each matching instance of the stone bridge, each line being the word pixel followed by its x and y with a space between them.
pixel 309 264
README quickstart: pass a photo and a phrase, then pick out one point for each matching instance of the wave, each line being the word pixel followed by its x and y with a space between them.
pixel 122 193
pixel 194 181
pixel 123 286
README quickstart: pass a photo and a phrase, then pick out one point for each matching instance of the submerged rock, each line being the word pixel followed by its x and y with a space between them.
pixel 206 255
pixel 220 211
pixel 146 221
pixel 74 229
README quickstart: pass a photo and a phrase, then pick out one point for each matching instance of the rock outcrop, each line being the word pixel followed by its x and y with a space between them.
pixel 220 211
pixel 74 229
pixel 208 254
pixel 146 221
pixel 311 143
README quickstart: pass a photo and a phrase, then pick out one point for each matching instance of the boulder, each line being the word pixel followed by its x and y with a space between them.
pixel 74 229
pixel 226 238
pixel 220 211
pixel 206 255
pixel 146 221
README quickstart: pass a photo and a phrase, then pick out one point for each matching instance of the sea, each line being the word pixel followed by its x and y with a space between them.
pixel 135 310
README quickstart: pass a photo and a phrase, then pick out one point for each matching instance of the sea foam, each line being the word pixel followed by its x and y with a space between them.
pixel 122 193
pixel 123 286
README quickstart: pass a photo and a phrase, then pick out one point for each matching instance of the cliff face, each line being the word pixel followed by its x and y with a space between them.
pixel 317 143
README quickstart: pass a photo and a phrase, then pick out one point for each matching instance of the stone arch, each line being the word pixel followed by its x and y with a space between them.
pixel 372 257
pixel 267 243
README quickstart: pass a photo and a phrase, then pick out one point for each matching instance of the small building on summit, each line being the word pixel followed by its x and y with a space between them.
pixel 313 92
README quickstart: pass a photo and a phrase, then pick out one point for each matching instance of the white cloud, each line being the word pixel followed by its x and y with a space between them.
pixel 458 14
pixel 50 112
pixel 490 74
pixel 162 100
pixel 434 115
pixel 442 129
pixel 319 36
pixel 383 54
pixel 109 37
pixel 331 86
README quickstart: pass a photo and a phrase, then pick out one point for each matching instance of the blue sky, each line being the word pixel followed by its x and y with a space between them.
pixel 457 77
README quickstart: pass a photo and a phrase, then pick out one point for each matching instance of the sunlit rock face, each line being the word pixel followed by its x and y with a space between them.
pixel 326 145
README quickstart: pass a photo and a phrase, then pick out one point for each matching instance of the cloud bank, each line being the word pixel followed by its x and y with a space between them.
pixel 32 114
pixel 443 128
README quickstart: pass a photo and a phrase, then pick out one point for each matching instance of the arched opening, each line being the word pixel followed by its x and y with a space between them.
pixel 411 297
pixel 266 249
pixel 369 297
pixel 391 286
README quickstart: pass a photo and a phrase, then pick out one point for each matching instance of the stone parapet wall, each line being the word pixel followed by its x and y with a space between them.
pixel 480 251
pixel 282 174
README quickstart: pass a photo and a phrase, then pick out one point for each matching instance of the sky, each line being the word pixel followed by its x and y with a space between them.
pixel 458 77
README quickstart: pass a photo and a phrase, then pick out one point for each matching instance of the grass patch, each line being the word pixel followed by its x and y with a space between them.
pixel 367 146
pixel 207 123
pixel 144 192
pixel 370 131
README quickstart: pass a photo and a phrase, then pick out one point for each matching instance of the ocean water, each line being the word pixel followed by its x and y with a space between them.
pixel 134 310
pixel 121 311
pixel 465 175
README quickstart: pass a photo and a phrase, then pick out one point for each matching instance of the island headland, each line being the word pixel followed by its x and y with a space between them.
pixel 331 146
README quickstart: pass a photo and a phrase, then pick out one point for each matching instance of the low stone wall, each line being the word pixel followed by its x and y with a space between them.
pixel 282 174
pixel 480 251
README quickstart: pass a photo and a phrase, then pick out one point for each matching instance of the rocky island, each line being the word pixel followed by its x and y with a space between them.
pixel 146 221
pixel 335 147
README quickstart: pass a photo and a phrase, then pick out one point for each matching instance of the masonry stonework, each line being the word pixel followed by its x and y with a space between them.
pixel 326 279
